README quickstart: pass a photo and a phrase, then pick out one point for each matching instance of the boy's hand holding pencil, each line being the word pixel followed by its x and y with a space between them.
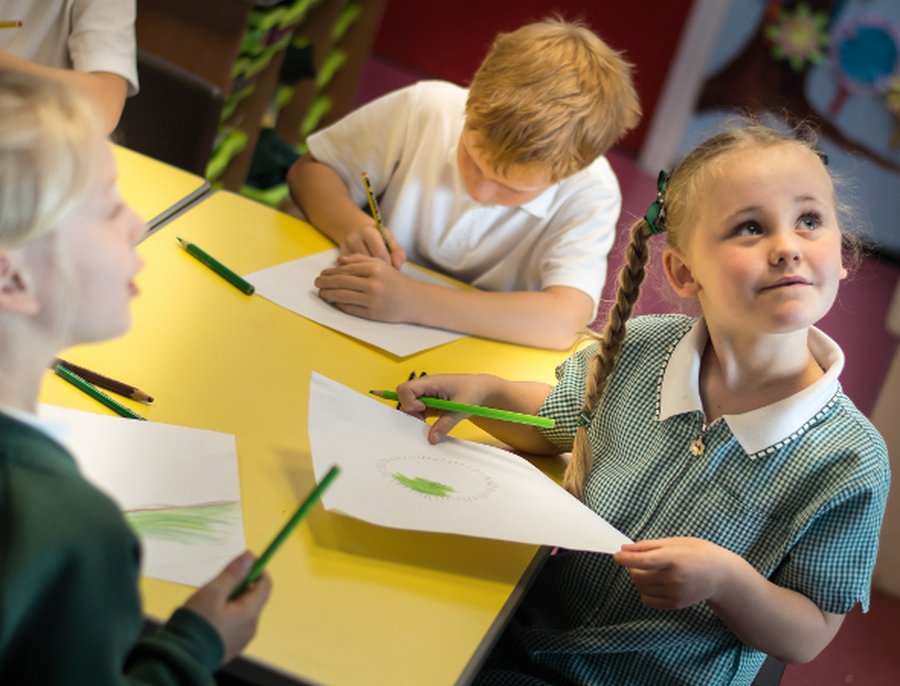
pixel 374 239
pixel 368 241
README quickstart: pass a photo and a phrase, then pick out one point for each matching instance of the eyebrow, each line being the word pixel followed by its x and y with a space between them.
pixel 750 209
pixel 499 183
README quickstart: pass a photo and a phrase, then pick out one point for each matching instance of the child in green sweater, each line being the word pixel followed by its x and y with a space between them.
pixel 70 612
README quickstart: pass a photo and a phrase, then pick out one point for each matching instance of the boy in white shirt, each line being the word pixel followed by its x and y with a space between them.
pixel 502 186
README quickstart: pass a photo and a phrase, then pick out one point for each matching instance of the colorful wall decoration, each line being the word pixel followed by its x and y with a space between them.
pixel 833 63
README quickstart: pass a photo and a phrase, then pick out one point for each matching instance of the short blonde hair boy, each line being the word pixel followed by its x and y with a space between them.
pixel 553 94
pixel 47 162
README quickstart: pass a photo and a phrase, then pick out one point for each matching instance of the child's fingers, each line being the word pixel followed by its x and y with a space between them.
pixel 234 573
pixel 443 425
pixel 255 597
pixel 650 559
pixel 647 544
pixel 232 576
pixel 355 258
pixel 375 246
pixel 398 254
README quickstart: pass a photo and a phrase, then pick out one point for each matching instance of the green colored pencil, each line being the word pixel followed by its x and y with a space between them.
pixel 477 410
pixel 301 512
pixel 95 392
pixel 217 267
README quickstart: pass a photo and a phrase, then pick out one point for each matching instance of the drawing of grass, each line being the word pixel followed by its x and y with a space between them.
pixel 423 486
pixel 205 523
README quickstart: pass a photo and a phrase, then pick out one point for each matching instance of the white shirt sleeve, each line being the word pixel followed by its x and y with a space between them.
pixel 370 139
pixel 102 38
pixel 582 231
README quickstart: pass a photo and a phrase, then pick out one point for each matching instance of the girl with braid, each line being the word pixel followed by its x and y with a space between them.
pixel 723 445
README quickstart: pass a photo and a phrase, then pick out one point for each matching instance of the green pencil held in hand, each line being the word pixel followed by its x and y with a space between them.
pixel 218 267
pixel 301 512
pixel 476 410
pixel 95 392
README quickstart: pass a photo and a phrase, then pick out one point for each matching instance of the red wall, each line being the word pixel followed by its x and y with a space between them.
pixel 448 40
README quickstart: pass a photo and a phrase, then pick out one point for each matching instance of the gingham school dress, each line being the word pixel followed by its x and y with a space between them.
pixel 797 488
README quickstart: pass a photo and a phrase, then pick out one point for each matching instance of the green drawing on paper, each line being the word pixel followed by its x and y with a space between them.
pixel 206 523
pixel 424 486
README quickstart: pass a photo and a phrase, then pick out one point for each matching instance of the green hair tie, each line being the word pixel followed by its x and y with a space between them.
pixel 656 215
pixel 584 418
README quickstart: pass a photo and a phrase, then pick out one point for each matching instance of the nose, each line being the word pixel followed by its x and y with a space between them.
pixel 136 226
pixel 785 247
pixel 482 190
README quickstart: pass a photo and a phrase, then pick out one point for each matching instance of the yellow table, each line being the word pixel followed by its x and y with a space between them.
pixel 353 603
pixel 154 189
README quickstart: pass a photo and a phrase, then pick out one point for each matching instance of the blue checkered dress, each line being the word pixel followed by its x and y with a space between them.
pixel 805 513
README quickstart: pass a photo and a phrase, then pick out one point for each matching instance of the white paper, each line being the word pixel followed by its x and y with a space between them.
pixel 392 476
pixel 290 285
pixel 177 485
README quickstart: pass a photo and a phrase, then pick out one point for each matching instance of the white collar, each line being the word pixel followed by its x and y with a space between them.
pixel 539 207
pixel 55 430
pixel 766 426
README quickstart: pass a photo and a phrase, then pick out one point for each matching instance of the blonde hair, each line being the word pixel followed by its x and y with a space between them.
pixel 47 158
pixel 553 94
pixel 677 209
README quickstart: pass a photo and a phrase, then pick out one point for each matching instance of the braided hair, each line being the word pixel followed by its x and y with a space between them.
pixel 672 213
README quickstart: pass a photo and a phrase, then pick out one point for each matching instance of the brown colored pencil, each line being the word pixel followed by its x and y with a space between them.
pixel 122 389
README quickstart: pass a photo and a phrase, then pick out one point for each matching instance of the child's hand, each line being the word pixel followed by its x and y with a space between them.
pixel 368 241
pixel 369 288
pixel 462 388
pixel 674 573
pixel 235 620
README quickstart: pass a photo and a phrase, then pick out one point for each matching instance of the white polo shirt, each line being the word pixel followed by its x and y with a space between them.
pixel 83 35
pixel 760 429
pixel 406 142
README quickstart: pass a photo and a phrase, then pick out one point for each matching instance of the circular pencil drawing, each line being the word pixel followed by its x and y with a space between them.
pixel 436 478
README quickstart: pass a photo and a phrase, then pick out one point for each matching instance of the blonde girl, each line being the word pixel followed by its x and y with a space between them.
pixel 70 611
pixel 723 445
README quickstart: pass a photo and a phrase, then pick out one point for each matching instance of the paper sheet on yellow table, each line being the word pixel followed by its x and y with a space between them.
pixel 177 485
pixel 392 476
pixel 290 285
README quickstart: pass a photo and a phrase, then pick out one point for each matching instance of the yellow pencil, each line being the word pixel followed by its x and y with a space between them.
pixel 10 24
pixel 376 211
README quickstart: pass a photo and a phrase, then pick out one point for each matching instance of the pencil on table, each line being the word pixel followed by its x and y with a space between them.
pixel 217 267
pixel 10 24
pixel 95 393
pixel 106 382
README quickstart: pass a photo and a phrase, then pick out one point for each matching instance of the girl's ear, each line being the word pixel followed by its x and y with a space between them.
pixel 679 273
pixel 16 294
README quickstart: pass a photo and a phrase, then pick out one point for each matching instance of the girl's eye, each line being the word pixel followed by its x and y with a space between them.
pixel 748 229
pixel 810 221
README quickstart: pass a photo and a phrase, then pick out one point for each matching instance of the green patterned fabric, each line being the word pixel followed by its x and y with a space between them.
pixel 805 511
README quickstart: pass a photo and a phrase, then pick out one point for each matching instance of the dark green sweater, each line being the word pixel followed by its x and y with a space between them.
pixel 70 611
